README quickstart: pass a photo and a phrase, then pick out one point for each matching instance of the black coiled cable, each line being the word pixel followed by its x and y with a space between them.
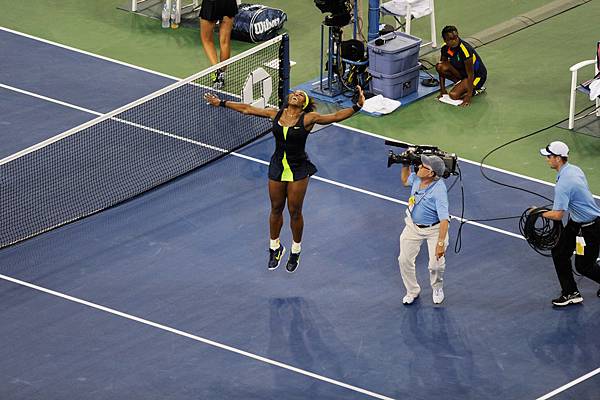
pixel 542 234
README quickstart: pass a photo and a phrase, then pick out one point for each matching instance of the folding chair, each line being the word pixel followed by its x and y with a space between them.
pixel 409 9
pixel 585 86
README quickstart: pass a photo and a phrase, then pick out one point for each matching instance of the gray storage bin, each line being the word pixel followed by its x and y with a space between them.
pixel 399 52
pixel 397 85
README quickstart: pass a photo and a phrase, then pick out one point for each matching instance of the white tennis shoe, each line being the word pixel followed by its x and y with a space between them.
pixel 438 295
pixel 409 299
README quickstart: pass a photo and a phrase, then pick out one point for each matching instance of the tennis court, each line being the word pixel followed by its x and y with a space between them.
pixel 167 295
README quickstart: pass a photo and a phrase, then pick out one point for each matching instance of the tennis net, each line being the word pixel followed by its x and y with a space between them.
pixel 139 146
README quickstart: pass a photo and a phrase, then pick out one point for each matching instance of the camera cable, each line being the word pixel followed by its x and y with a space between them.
pixel 541 233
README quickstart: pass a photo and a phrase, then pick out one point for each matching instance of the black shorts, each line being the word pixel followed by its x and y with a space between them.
pixel 215 10
pixel 478 81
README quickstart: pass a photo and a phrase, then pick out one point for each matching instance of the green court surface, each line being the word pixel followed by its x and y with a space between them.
pixel 528 71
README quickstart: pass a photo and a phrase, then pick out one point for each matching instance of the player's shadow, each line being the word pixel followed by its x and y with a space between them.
pixel 302 337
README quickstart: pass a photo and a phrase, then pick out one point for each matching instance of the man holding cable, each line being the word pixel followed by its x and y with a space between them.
pixel 582 232
pixel 426 219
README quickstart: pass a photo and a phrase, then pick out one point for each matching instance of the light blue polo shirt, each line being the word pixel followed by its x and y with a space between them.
pixel 573 194
pixel 431 203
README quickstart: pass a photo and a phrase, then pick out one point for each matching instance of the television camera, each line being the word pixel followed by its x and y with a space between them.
pixel 341 11
pixel 412 156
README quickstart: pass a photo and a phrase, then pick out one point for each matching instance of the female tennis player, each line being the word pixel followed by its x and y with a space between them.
pixel 290 167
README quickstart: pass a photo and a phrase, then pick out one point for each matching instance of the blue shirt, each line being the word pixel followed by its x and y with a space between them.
pixel 430 203
pixel 573 194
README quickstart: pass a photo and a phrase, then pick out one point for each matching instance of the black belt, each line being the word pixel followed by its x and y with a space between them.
pixel 590 223
pixel 427 226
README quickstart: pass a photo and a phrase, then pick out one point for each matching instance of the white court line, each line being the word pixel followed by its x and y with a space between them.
pixel 194 337
pixel 149 97
pixel 87 53
pixel 337 124
pixel 49 99
pixel 504 171
pixel 569 385
pixel 329 181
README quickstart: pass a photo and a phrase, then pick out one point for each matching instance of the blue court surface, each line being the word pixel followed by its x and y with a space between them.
pixel 167 296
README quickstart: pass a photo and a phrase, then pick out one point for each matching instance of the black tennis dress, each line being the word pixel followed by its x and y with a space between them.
pixel 215 10
pixel 290 162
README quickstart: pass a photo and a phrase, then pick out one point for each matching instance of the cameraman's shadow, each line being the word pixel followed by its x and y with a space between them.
pixel 441 352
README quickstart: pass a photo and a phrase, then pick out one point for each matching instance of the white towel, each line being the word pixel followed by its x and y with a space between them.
pixel 594 89
pixel 418 8
pixel 446 99
pixel 381 105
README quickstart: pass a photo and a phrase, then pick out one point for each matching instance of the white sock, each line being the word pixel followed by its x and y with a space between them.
pixel 296 247
pixel 274 244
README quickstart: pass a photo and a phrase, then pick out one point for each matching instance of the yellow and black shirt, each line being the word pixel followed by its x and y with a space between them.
pixel 459 54
pixel 289 161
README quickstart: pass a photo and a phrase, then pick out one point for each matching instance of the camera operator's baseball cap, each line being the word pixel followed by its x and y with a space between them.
pixel 435 163
pixel 555 149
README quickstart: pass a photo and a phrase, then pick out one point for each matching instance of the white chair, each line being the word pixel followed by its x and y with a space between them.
pixel 409 9
pixel 134 4
pixel 583 87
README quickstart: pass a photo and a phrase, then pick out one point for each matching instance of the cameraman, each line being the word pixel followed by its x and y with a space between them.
pixel 427 219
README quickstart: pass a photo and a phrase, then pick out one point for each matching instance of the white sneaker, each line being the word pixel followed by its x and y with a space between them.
pixel 409 299
pixel 438 295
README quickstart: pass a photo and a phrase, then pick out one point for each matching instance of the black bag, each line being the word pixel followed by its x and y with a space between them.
pixel 353 50
pixel 257 23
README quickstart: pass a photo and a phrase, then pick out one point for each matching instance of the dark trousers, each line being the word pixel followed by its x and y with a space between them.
pixel 586 264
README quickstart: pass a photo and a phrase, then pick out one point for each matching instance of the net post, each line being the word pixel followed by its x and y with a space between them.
pixel 284 69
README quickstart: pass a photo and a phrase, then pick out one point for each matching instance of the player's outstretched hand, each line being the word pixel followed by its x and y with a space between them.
pixel 212 99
